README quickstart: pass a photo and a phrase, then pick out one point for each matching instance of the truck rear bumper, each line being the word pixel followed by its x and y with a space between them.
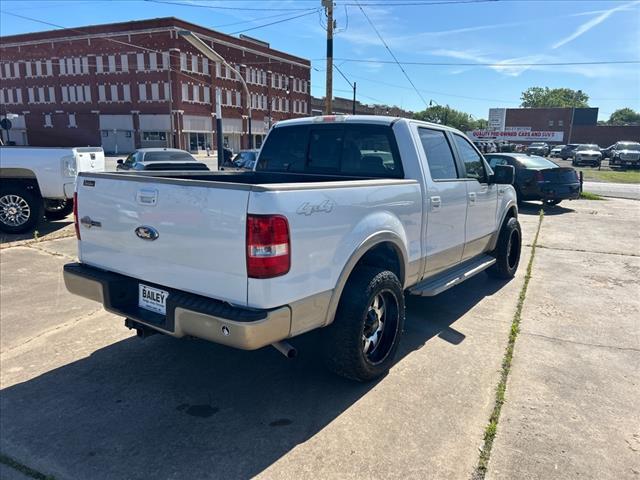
pixel 187 314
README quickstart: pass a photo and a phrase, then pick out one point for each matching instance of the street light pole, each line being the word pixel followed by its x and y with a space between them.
pixel 211 54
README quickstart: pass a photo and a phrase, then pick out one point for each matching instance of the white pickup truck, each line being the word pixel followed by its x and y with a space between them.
pixel 35 179
pixel 341 216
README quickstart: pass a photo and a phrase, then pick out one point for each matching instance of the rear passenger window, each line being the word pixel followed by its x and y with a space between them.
pixel 439 156
pixel 369 151
pixel 471 158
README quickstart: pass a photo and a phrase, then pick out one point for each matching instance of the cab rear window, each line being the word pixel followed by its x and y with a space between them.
pixel 353 150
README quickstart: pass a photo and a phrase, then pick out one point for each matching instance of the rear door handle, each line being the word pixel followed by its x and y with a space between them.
pixel 436 203
pixel 472 198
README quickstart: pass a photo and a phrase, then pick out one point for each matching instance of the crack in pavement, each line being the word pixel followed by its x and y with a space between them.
pixel 5 354
pixel 55 254
pixel 575 342
pixel 27 242
pixel 579 250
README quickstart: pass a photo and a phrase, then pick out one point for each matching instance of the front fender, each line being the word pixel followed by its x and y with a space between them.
pixel 507 202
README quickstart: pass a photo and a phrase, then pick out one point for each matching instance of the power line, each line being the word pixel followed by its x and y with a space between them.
pixel 274 23
pixel 482 64
pixel 217 7
pixel 391 53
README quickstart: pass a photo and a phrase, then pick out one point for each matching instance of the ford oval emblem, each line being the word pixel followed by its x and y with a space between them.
pixel 147 233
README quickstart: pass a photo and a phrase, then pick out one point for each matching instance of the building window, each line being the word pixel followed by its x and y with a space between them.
pixel 49 67
pixel 126 93
pixel 205 66
pixel 27 67
pixel 127 134
pixel 87 93
pixel 185 92
pixel 98 64
pixel 551 123
pixel 124 63
pixel 154 136
pixel 153 61
pixel 105 133
pixel 102 97
pixel 114 93
pixel 72 120
pixel 140 61
pixel 85 65
pixel 52 95
pixel 47 120
pixel 183 61
pixel 165 60
pixel 142 92
pixel 167 93
pixel 194 63
pixel 207 95
pixel 228 97
pixel 561 123
pixel 238 99
pixel 155 92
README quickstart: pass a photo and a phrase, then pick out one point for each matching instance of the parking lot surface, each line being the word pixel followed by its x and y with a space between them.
pixel 82 397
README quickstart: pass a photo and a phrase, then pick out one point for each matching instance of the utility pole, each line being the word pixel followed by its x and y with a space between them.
pixel 354 99
pixel 328 99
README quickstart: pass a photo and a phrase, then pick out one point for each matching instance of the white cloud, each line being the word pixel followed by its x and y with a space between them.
pixel 594 22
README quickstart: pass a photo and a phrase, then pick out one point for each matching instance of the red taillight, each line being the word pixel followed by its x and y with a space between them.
pixel 268 246
pixel 75 214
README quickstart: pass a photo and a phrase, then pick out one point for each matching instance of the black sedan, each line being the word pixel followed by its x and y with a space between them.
pixel 538 178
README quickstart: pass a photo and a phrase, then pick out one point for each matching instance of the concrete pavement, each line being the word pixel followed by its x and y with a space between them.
pixel 81 397
pixel 572 408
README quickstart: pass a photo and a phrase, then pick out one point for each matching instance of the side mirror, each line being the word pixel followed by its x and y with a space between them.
pixel 503 174
pixel 120 161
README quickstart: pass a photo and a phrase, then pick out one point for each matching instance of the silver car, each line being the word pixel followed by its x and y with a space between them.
pixel 587 154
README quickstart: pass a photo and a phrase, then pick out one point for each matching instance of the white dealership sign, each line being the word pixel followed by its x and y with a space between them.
pixel 497 118
pixel 517 135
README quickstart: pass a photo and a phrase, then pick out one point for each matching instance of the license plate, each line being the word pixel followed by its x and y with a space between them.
pixel 152 299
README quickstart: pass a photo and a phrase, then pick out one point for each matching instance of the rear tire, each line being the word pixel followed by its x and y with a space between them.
pixel 20 209
pixel 507 251
pixel 57 209
pixel 362 341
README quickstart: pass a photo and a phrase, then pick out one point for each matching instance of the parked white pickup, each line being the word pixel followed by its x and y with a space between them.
pixel 340 217
pixel 41 179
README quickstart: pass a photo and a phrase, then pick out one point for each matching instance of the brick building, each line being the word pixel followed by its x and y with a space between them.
pixel 345 106
pixel 139 84
pixel 553 125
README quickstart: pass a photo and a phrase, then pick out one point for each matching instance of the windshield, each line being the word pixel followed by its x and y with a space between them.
pixel 629 145
pixel 168 156
pixel 588 147
pixel 536 162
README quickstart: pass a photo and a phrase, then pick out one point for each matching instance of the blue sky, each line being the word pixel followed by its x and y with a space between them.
pixel 502 33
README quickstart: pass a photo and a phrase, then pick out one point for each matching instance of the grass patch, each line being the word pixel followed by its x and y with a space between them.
pixel 29 472
pixel 615 176
pixel 591 196
pixel 492 427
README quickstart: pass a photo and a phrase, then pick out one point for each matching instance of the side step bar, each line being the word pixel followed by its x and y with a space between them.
pixel 450 278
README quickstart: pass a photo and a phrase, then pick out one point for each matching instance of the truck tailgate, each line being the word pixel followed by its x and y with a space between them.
pixel 200 246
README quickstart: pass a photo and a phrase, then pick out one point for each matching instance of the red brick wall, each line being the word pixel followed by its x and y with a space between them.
pixel 539 118
pixel 604 135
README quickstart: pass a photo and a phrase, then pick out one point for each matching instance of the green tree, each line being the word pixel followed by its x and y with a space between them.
pixel 539 97
pixel 445 115
pixel 624 116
